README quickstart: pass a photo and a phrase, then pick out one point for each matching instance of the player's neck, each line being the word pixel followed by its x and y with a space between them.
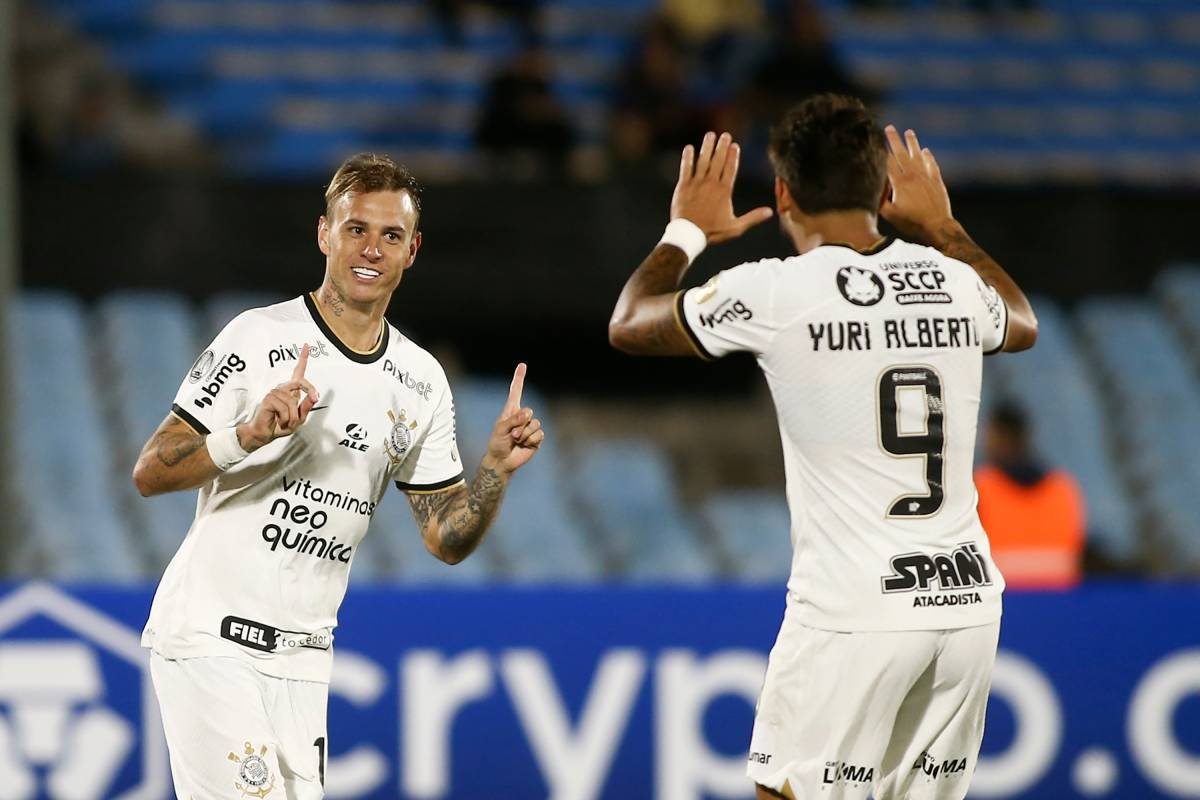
pixel 858 229
pixel 359 328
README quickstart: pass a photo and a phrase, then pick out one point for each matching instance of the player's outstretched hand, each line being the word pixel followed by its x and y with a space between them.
pixel 517 434
pixel 918 204
pixel 283 410
pixel 704 193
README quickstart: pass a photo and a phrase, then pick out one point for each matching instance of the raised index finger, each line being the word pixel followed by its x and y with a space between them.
pixel 298 372
pixel 515 388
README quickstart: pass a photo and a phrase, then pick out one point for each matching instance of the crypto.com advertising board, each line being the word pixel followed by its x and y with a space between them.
pixel 598 693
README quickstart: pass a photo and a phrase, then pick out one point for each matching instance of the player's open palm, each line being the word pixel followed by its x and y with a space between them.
pixel 517 434
pixel 919 204
pixel 285 408
pixel 704 193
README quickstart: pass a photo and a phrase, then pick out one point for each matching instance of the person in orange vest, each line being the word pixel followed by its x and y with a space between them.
pixel 1034 515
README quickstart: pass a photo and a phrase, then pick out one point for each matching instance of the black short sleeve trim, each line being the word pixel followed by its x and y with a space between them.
pixel 346 350
pixel 197 425
pixel 429 487
pixel 681 320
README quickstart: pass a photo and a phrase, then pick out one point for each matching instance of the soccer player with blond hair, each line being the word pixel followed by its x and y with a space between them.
pixel 292 424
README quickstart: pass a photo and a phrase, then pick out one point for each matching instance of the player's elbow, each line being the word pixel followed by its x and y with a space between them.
pixel 624 337
pixel 1024 337
pixel 142 481
pixel 146 481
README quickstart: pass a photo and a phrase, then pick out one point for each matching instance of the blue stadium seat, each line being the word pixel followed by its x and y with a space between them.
pixel 542 539
pixel 223 307
pixel 151 345
pixel 627 488
pixel 1178 290
pixel 1071 429
pixel 754 529
pixel 62 410
pixel 1154 390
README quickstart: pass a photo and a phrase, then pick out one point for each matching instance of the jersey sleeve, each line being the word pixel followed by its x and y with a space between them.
pixel 216 392
pixel 993 318
pixel 732 312
pixel 433 463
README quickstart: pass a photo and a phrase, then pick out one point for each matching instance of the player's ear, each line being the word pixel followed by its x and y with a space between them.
pixel 783 197
pixel 323 234
pixel 413 247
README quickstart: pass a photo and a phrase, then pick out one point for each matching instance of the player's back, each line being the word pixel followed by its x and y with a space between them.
pixel 874 363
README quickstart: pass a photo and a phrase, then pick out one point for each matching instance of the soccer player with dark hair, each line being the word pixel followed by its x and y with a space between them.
pixel 292 424
pixel 872 348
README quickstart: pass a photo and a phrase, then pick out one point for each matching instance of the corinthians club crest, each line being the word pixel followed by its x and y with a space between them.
pixel 399 437
pixel 254 774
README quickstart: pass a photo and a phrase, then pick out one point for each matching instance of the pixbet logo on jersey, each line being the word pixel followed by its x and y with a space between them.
pixel 291 352
pixel 405 377
pixel 230 364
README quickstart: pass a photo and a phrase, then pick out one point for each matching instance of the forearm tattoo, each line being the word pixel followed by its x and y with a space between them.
pixel 174 447
pixel 953 241
pixel 463 516
pixel 659 274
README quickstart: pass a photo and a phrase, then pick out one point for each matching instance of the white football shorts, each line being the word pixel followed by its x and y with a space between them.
pixel 897 713
pixel 233 732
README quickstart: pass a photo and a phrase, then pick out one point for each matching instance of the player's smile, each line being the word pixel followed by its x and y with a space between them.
pixel 366 274
pixel 370 239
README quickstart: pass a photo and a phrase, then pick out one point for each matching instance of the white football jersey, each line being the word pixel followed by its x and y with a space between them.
pixel 874 360
pixel 264 567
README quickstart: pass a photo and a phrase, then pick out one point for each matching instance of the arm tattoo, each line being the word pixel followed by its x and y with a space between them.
pixel 954 242
pixel 333 298
pixel 462 516
pixel 658 275
pixel 174 447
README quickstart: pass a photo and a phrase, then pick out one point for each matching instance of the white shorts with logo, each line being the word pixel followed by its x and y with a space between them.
pixel 897 713
pixel 234 732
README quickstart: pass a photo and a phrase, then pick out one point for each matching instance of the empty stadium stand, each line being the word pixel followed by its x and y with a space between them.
pixel 1104 90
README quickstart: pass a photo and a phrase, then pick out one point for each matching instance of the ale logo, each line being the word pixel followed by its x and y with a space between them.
pixel 78 718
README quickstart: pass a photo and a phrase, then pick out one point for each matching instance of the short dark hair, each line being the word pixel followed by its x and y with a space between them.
pixel 371 172
pixel 831 153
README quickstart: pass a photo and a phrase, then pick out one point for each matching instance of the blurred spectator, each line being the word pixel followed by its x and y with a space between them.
pixel 653 112
pixel 523 12
pixel 72 107
pixel 1034 515
pixel 722 38
pixel 977 5
pixel 800 62
pixel 522 122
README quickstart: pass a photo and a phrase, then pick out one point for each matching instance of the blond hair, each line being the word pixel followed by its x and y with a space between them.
pixel 371 172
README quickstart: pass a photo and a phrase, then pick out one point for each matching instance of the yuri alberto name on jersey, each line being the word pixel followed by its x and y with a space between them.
pixel 903 333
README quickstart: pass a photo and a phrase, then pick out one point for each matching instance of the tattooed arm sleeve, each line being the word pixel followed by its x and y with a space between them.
pixel 174 458
pixel 453 522
pixel 644 321
pixel 953 240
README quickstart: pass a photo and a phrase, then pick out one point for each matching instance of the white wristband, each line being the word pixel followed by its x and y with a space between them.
pixel 687 236
pixel 224 448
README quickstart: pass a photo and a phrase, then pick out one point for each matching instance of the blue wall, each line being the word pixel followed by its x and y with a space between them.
pixel 608 693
